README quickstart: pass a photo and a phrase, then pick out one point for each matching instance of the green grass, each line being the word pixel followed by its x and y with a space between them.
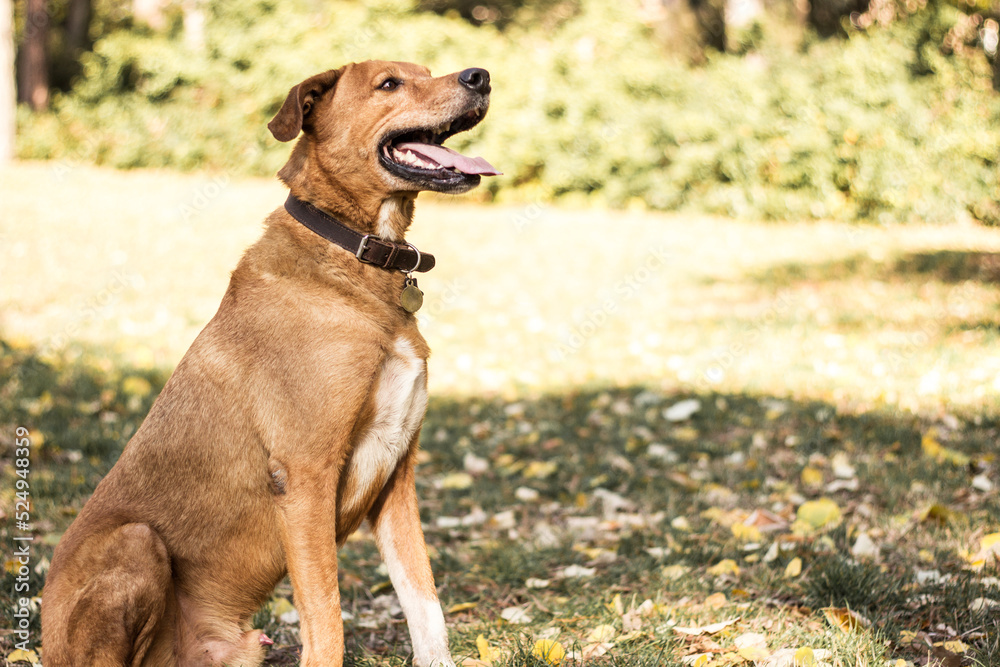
pixel 835 345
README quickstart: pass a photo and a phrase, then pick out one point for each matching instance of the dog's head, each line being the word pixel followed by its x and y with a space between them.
pixel 383 123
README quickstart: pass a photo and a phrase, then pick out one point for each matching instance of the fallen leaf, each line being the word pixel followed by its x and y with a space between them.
pixel 515 616
pixel 576 572
pixel 794 568
pixel 456 481
pixel 674 572
pixel 845 619
pixel 682 410
pixel 865 548
pixel 811 477
pixel 716 601
pixel 486 652
pixel 602 633
pixel 596 650
pixel 818 514
pixel 20 655
pixel 462 606
pixel 754 653
pixel 552 652
pixel 724 567
pixel 699 660
pixel 540 469
pixel 805 657
pixel 706 629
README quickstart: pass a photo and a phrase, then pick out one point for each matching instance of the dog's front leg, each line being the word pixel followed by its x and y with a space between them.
pixel 395 523
pixel 308 532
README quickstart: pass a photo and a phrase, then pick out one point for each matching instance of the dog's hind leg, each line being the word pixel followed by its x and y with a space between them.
pixel 118 613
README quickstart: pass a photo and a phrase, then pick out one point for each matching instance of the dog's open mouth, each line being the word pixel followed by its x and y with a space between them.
pixel 418 156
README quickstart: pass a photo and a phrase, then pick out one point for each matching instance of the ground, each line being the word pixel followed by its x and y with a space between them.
pixel 652 439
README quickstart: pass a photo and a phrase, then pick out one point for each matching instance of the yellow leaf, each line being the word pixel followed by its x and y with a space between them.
pixel 956 646
pixel 845 619
pixel 550 651
pixel 698 660
pixel 20 655
pixel 804 657
pixel 750 640
pixel 462 606
pixel 674 572
pixel 723 567
pixel 540 469
pixel 601 634
pixel 716 601
pixel 937 513
pixel 812 477
pixel 754 653
pixel 616 606
pixel 821 513
pixel 486 652
pixel 934 449
pixel 281 606
pixel 457 480
pixel 745 533
pixel 794 568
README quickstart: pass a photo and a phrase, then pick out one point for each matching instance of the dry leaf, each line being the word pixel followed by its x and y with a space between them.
pixel 723 567
pixel 706 629
pixel 716 601
pixel 20 655
pixel 601 634
pixel 794 568
pixel 463 606
pixel 515 616
pixel 845 619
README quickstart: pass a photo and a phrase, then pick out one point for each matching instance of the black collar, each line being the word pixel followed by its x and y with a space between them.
pixel 367 248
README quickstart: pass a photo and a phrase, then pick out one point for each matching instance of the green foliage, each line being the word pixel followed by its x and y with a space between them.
pixel 879 127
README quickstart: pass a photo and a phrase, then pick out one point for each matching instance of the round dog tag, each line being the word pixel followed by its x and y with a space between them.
pixel 412 298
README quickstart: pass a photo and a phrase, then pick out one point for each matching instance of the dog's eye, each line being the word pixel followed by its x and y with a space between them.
pixel 390 84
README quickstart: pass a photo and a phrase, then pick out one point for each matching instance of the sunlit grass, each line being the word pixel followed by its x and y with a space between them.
pixel 905 316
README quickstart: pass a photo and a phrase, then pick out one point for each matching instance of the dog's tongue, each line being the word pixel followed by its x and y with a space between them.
pixel 449 158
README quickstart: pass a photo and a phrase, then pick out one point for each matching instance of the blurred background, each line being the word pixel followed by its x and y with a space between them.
pixel 780 286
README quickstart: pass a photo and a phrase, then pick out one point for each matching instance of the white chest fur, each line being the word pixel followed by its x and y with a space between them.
pixel 400 402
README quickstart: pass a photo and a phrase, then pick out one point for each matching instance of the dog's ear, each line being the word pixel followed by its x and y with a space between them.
pixel 294 113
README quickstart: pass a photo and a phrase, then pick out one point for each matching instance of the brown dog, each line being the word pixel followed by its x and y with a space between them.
pixel 295 414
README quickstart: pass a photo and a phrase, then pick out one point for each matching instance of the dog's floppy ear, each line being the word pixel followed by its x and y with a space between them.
pixel 294 113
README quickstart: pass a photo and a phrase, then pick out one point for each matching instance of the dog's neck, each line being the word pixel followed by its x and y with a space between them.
pixel 361 208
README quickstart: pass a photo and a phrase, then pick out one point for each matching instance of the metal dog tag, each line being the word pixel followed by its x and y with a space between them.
pixel 412 298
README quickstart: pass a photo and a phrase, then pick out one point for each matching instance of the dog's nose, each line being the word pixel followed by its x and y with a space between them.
pixel 475 79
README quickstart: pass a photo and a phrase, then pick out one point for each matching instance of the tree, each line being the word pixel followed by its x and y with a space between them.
pixel 78 15
pixel 8 94
pixel 33 74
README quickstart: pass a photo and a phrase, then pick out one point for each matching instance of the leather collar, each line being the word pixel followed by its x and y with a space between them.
pixel 368 248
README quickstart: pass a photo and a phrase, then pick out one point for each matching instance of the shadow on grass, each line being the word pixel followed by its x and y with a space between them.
pixel 593 478
pixel 946 266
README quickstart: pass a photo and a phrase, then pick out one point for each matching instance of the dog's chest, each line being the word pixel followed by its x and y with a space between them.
pixel 400 400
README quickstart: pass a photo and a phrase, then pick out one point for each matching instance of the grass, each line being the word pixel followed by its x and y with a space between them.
pixel 856 364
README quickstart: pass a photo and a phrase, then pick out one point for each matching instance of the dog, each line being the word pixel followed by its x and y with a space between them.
pixel 295 414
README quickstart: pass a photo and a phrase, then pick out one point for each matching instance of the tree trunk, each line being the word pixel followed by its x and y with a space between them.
pixel 78 26
pixel 8 90
pixel 33 77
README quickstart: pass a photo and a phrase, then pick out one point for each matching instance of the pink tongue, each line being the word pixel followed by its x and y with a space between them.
pixel 449 158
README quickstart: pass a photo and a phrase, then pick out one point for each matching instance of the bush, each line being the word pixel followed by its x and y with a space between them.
pixel 587 110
